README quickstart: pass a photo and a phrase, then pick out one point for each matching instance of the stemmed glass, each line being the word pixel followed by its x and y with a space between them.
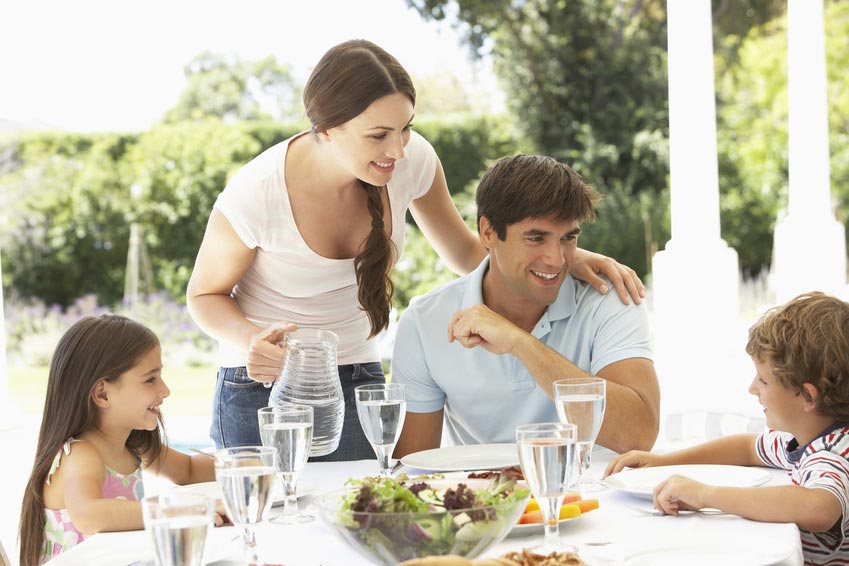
pixel 548 460
pixel 246 477
pixel 381 408
pixel 288 428
pixel 580 401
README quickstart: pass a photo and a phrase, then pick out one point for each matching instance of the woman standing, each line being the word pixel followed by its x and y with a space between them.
pixel 307 232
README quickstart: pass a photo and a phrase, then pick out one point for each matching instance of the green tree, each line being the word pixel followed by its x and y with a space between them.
pixel 586 81
pixel 181 168
pixel 232 89
pixel 467 145
pixel 752 141
pixel 752 131
pixel 66 206
pixel 64 232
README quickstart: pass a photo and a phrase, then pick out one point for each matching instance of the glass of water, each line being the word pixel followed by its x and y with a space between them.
pixel 178 524
pixel 548 458
pixel 382 408
pixel 288 428
pixel 580 401
pixel 246 478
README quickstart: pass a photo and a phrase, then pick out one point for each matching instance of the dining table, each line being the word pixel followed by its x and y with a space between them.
pixel 624 530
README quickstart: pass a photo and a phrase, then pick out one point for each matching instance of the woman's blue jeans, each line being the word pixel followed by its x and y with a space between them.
pixel 238 397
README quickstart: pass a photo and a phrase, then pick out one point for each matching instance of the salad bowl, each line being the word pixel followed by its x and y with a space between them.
pixel 387 521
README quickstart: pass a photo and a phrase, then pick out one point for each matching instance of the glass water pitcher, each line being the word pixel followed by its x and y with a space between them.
pixel 310 377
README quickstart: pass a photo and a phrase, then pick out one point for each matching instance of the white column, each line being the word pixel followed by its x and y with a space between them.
pixel 693 162
pixel 696 276
pixel 810 248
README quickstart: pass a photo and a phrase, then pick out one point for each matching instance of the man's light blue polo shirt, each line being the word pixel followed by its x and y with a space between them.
pixel 486 395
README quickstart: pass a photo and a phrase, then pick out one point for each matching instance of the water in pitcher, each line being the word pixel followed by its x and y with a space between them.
pixel 311 377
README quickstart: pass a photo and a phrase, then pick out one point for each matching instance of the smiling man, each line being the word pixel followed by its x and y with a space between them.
pixel 480 354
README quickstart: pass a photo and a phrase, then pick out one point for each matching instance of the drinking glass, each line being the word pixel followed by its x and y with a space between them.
pixel 381 408
pixel 580 401
pixel 548 460
pixel 178 524
pixel 288 428
pixel 246 477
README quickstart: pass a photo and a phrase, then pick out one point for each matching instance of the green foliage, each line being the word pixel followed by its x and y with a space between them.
pixel 577 73
pixel 418 271
pixel 629 227
pixel 467 145
pixel 33 328
pixel 231 89
pixel 67 207
pixel 442 93
pixel 586 80
pixel 837 61
pixel 68 224
pixel 181 168
pixel 64 232
pixel 734 19
pixel 752 132
pixel 752 142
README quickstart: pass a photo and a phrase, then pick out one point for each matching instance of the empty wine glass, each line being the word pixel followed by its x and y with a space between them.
pixel 548 458
pixel 381 408
pixel 178 524
pixel 580 401
pixel 246 477
pixel 288 428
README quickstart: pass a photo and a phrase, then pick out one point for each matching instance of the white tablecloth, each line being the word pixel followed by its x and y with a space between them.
pixel 622 532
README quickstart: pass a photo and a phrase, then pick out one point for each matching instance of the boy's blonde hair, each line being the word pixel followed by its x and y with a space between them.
pixel 807 341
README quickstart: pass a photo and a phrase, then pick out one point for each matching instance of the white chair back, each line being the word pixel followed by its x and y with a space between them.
pixel 698 426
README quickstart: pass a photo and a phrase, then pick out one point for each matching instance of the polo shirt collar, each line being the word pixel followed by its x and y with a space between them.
pixel 563 307
pixel 795 452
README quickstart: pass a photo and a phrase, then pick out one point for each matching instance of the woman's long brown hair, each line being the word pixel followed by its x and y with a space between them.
pixel 94 348
pixel 347 79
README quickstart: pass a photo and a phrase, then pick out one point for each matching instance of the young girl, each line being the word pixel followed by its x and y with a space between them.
pixel 101 427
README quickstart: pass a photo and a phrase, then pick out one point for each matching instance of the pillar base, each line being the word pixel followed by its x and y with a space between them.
pixel 696 292
pixel 809 254
pixel 699 340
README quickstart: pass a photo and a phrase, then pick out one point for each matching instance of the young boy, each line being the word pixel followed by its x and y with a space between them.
pixel 801 354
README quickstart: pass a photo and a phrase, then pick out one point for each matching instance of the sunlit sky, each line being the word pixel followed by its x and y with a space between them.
pixel 91 65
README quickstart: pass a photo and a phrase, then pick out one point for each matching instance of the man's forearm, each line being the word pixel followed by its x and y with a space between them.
pixel 631 418
pixel 543 363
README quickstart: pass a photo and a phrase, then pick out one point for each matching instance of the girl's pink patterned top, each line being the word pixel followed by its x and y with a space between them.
pixel 60 533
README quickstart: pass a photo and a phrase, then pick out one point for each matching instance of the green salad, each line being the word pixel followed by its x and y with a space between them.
pixel 401 520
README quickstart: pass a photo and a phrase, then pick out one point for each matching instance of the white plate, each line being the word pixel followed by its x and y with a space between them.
pixel 708 554
pixel 457 458
pixel 641 481
pixel 212 490
pixel 536 528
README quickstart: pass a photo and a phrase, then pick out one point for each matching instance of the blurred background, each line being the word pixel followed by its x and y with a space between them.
pixel 120 123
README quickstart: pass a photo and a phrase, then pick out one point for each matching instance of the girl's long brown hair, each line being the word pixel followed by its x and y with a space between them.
pixel 94 348
pixel 347 79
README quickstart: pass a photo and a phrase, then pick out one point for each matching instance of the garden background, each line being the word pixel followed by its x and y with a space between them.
pixel 582 80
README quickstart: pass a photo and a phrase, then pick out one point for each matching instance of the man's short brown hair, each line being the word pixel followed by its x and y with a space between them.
pixel 533 186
